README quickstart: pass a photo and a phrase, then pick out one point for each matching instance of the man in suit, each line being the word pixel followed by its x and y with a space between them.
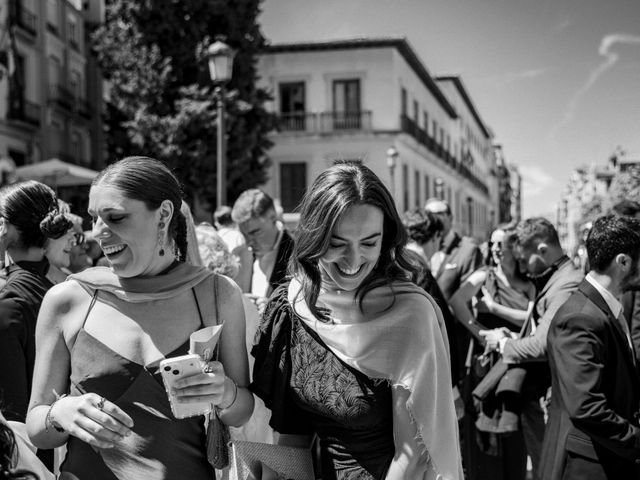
pixel 556 278
pixel 631 300
pixel 593 429
pixel 255 214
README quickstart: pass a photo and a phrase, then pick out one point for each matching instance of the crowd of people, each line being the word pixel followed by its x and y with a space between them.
pixel 387 345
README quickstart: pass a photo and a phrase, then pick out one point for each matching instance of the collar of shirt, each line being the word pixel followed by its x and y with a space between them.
pixel 612 302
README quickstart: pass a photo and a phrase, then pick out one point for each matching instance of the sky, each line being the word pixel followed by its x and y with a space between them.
pixel 557 81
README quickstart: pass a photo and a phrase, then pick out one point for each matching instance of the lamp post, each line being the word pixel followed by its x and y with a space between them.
pixel 220 57
pixel 392 159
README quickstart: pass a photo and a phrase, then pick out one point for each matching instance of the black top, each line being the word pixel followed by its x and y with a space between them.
pixel 310 390
pixel 20 301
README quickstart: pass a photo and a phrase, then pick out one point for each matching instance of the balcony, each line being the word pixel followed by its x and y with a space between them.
pixel 62 96
pixel 422 137
pixel 26 111
pixel 324 122
pixel 27 20
pixel 83 108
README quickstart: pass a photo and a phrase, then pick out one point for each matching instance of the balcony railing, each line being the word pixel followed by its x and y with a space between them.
pixel 61 95
pixel 25 111
pixel 324 122
pixel 412 128
pixel 83 108
pixel 27 19
pixel 331 121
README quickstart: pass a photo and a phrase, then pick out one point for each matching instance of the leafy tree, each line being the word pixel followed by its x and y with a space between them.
pixel 625 186
pixel 161 96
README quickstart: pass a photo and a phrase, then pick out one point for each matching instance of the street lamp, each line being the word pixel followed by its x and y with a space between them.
pixel 220 57
pixel 392 159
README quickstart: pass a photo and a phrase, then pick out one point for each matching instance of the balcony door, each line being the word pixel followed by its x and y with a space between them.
pixel 292 106
pixel 346 104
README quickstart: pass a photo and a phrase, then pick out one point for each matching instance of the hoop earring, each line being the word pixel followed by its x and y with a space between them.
pixel 161 238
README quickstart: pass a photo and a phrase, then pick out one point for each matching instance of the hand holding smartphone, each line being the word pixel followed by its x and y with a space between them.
pixel 176 368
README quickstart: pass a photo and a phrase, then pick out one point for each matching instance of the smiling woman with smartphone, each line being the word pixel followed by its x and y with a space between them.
pixel 102 335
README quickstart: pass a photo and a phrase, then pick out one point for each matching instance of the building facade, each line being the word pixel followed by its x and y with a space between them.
pixel 373 100
pixel 51 90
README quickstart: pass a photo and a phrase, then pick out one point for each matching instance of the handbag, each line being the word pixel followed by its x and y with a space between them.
pixel 264 461
pixel 218 436
pixel 490 381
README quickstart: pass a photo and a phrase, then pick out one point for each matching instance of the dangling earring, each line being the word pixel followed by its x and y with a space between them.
pixel 161 238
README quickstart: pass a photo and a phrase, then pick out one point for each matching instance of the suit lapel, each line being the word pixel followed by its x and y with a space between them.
pixel 592 294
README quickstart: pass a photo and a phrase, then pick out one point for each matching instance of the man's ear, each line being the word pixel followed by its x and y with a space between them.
pixel 542 248
pixel 623 261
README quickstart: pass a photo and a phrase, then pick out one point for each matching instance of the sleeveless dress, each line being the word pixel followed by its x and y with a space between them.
pixel 350 412
pixel 160 446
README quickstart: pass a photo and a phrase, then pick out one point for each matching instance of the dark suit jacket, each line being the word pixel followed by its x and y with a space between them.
pixel 279 273
pixel 593 417
pixel 462 258
pixel 631 305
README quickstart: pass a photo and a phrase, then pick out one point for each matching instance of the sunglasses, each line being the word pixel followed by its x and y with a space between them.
pixel 78 239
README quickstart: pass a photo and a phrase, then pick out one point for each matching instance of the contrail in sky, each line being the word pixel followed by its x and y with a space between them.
pixel 610 59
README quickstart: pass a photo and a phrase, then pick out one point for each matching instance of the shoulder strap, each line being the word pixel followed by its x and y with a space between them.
pixel 93 302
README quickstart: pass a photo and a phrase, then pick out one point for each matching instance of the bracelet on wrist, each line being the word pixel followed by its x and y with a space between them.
pixel 48 420
pixel 235 396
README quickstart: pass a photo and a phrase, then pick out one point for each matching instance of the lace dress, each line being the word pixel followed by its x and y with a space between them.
pixel 310 390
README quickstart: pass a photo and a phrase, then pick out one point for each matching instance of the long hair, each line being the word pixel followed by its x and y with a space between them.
pixel 9 456
pixel 344 185
pixel 33 209
pixel 151 182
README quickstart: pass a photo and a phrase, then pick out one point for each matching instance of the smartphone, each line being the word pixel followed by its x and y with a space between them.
pixel 173 369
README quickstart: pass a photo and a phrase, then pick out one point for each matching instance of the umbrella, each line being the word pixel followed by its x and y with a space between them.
pixel 56 173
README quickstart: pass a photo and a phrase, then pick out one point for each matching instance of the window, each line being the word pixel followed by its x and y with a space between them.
pixel 293 183
pixel 73 33
pixel 405 188
pixel 75 80
pixel 415 112
pixel 54 69
pixel 434 131
pixel 427 190
pixel 53 18
pixel 416 183
pixel 346 104
pixel 403 101
pixel 425 118
pixel 292 106
pixel 76 147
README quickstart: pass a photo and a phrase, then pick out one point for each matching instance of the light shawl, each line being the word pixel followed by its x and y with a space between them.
pixel 397 337
pixel 178 279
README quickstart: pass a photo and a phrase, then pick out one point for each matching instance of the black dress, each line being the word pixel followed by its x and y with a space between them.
pixel 20 300
pixel 310 390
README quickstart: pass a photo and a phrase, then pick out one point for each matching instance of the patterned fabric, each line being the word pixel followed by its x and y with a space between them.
pixel 350 412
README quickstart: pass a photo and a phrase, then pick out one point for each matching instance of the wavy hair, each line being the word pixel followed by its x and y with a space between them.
pixel 342 186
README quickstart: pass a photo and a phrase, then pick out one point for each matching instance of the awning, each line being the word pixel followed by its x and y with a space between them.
pixel 56 173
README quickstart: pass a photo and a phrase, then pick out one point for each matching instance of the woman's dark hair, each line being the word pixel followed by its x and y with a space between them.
pixel 9 456
pixel 344 185
pixel 151 182
pixel 32 208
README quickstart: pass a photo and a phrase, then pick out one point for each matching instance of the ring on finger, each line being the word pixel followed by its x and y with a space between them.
pixel 208 369
pixel 100 405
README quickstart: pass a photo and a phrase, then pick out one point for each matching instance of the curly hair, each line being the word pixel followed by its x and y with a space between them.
pixel 9 456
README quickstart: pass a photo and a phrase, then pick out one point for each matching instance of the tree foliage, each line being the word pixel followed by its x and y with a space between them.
pixel 625 186
pixel 161 97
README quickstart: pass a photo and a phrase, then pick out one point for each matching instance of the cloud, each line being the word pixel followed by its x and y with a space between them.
pixel 610 59
pixel 534 180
